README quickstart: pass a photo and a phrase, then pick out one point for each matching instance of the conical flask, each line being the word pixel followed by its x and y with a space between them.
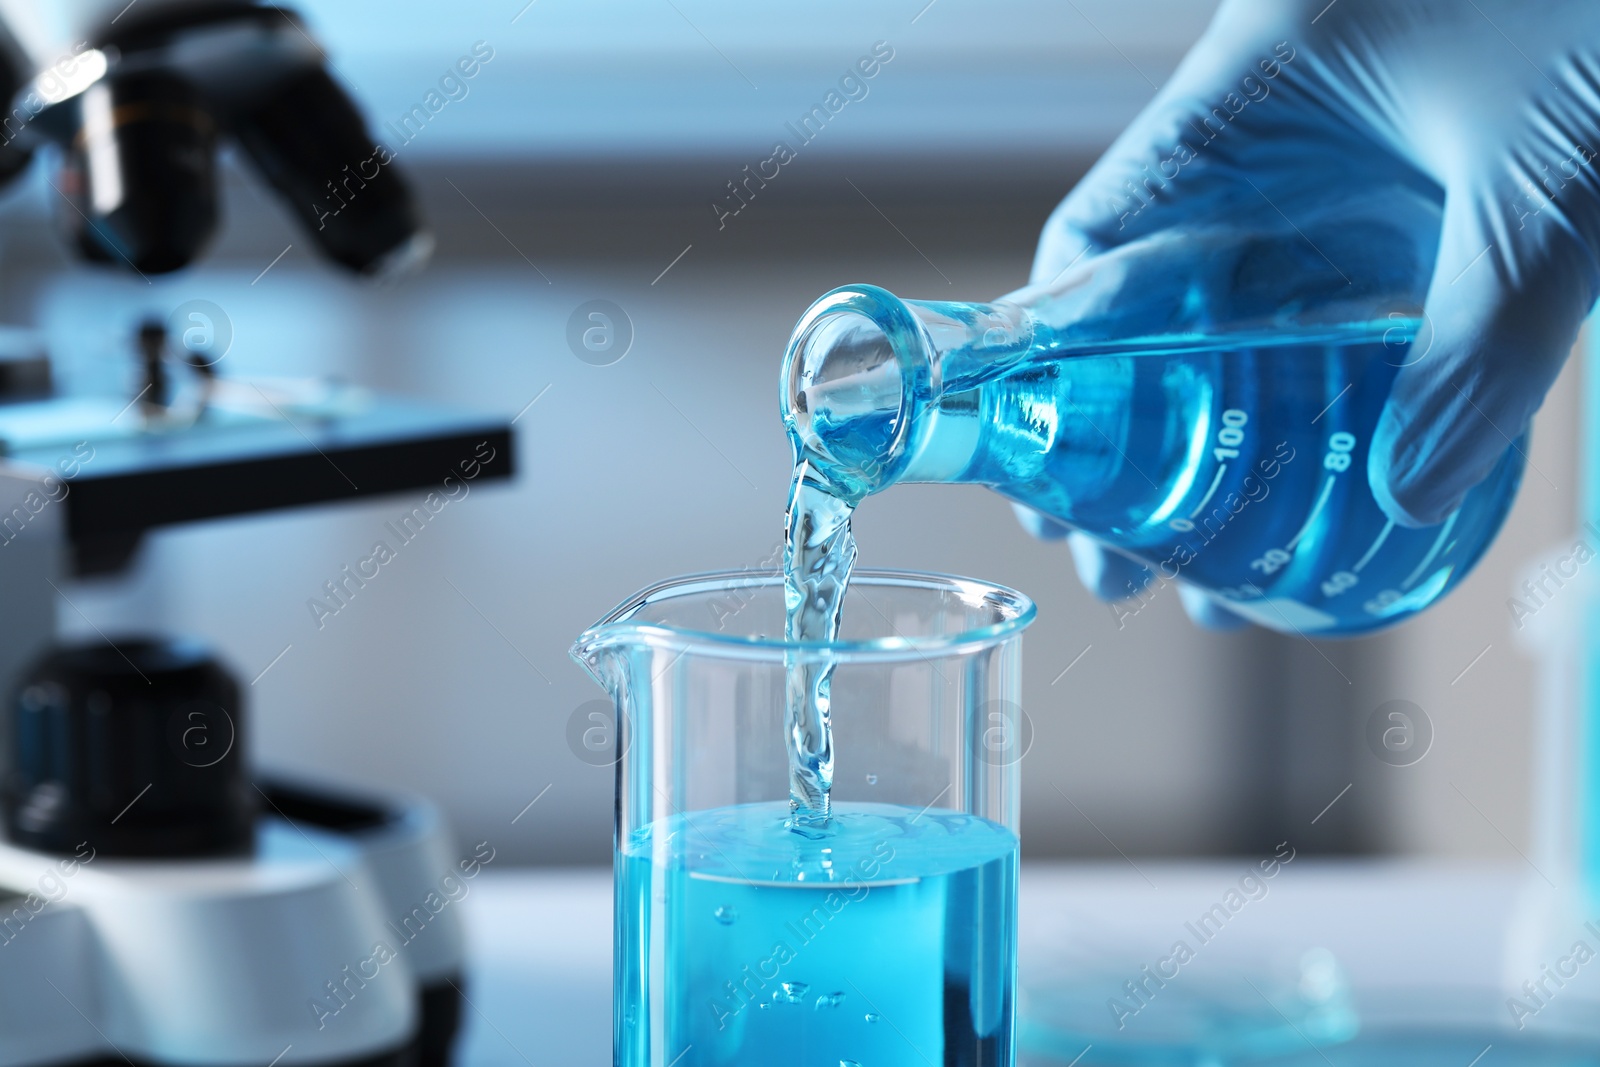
pixel 1201 401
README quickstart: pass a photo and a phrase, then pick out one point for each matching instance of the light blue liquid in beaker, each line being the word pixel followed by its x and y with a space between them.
pixel 887 937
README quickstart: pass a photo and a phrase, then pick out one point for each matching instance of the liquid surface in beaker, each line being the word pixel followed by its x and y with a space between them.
pixel 886 938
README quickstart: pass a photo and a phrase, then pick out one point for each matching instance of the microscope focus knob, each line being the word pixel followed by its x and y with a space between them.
pixel 134 748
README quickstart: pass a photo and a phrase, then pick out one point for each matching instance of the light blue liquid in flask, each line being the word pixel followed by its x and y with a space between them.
pixel 1200 401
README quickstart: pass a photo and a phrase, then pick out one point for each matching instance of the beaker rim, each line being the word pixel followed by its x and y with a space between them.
pixel 1016 609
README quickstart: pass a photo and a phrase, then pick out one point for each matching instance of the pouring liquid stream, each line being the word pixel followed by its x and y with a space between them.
pixel 819 553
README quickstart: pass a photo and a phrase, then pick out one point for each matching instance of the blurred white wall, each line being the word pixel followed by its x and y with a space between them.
pixel 624 78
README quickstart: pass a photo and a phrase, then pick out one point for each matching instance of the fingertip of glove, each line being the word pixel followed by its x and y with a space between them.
pixel 1204 611
pixel 1412 504
pixel 1107 575
pixel 1039 524
pixel 1410 491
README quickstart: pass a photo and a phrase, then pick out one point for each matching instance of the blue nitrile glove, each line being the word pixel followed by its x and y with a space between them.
pixel 1491 106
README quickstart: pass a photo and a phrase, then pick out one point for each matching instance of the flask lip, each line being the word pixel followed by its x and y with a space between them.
pixel 1012 612
pixel 802 363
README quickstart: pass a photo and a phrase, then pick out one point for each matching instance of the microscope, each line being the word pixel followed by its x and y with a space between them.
pixel 162 902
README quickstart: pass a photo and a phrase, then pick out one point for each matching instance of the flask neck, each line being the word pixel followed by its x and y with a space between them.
pixel 865 374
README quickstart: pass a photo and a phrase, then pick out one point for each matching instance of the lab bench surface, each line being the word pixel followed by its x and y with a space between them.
pixel 1429 945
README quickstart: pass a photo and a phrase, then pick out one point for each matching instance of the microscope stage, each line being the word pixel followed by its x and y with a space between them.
pixel 236 460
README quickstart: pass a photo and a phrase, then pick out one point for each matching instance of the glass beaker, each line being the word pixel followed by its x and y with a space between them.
pixel 1200 400
pixel 887 935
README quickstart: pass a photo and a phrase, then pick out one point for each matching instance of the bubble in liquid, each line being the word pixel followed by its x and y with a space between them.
pixel 726 915
pixel 872 1016
pixel 849 1063
pixel 790 993
pixel 829 1000
pixel 872 779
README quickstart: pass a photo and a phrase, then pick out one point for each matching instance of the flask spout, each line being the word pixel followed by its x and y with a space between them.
pixel 865 372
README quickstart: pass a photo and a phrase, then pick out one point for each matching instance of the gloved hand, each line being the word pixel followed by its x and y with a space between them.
pixel 1490 107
